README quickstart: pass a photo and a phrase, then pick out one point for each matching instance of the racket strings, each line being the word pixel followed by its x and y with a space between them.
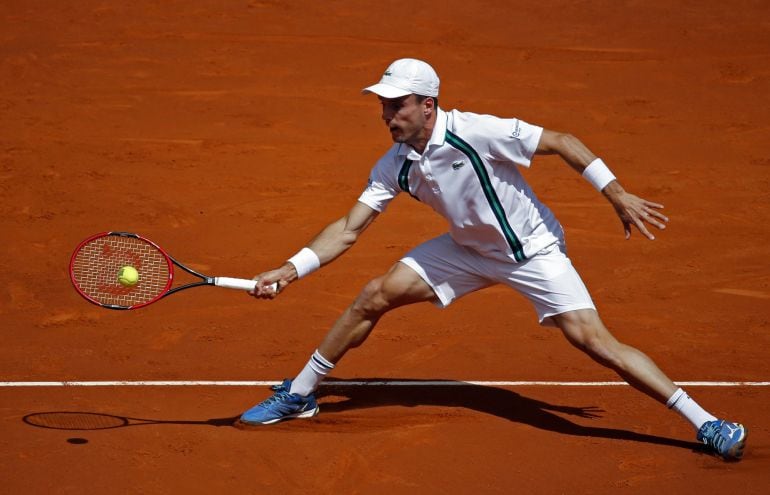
pixel 96 265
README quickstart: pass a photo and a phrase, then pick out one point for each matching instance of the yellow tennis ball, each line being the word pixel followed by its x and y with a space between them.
pixel 128 276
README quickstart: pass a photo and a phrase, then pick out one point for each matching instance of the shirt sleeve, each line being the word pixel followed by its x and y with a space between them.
pixel 382 186
pixel 513 140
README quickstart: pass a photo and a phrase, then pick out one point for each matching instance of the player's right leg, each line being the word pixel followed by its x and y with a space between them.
pixel 295 399
pixel 399 287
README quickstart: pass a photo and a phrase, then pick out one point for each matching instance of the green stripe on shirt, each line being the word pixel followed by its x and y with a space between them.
pixel 403 177
pixel 489 193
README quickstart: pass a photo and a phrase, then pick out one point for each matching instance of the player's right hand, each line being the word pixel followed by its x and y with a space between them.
pixel 269 285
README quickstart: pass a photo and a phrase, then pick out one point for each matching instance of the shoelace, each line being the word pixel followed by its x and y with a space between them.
pixel 278 388
pixel 277 397
pixel 712 437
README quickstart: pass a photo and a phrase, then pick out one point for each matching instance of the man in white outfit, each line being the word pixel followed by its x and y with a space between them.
pixel 465 166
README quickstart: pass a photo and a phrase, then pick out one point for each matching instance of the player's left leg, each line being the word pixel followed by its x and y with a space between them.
pixel 585 330
pixel 560 298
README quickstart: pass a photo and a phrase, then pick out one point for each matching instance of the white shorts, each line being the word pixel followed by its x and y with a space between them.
pixel 548 279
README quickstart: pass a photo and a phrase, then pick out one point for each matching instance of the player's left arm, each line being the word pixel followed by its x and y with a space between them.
pixel 631 209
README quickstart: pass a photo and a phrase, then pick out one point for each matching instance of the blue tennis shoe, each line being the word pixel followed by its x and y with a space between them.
pixel 724 438
pixel 282 405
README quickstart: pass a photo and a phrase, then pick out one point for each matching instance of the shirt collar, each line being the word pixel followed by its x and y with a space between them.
pixel 436 138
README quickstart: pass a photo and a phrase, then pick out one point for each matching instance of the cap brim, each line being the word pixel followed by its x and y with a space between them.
pixel 386 91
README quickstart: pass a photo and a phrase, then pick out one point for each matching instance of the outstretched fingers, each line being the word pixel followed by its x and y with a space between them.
pixel 641 212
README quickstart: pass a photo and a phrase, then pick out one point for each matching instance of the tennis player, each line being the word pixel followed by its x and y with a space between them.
pixel 466 167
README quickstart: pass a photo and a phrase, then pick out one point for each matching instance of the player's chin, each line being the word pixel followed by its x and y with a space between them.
pixel 396 136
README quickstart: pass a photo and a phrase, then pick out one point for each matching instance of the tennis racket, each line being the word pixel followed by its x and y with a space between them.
pixel 95 264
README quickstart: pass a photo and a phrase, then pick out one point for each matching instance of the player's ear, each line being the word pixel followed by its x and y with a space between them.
pixel 429 107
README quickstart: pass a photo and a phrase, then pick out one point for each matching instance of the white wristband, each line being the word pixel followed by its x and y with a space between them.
pixel 305 262
pixel 598 174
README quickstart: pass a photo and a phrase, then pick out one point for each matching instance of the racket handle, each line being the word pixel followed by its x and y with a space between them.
pixel 239 283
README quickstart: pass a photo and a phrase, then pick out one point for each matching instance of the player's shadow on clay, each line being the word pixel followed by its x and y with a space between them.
pixel 499 402
pixel 339 398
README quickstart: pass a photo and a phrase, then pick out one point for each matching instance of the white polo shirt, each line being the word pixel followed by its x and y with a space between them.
pixel 468 174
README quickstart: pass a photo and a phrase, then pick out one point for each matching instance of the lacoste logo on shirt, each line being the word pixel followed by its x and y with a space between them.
pixel 456 165
pixel 388 73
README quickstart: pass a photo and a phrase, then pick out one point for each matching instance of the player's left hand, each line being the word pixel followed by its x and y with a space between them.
pixel 635 211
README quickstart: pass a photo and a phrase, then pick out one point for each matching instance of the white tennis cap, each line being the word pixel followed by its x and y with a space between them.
pixel 406 76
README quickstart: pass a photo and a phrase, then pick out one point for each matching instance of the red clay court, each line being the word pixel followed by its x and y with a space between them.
pixel 232 132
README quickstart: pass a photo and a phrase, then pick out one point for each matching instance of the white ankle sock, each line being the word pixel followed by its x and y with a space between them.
pixel 689 409
pixel 311 375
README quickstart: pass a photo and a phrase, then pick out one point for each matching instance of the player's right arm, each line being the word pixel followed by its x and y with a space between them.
pixel 340 236
pixel 329 244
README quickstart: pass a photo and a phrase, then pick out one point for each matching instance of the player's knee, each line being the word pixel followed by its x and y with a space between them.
pixel 585 331
pixel 373 300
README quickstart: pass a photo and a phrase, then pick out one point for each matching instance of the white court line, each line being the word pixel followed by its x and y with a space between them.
pixel 360 383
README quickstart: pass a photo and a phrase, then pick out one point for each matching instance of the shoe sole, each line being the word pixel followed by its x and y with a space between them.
pixel 304 414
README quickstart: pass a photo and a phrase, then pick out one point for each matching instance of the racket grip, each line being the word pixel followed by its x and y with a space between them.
pixel 239 283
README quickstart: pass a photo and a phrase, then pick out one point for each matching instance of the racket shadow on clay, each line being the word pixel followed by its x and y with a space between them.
pixel 90 421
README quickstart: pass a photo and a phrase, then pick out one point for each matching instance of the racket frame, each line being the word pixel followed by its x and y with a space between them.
pixel 170 261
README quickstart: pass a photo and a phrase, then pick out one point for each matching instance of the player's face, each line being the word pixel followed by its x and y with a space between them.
pixel 405 118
